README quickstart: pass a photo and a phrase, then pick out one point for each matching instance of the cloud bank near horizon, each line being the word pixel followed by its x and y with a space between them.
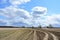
pixel 14 16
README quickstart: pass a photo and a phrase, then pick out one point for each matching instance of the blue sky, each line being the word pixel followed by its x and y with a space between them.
pixel 52 5
pixel 30 12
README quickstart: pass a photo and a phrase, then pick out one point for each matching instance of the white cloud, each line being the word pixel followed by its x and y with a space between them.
pixel 15 15
pixel 50 19
pixel 18 2
pixel 18 16
pixel 38 11
pixel 12 12
pixel 53 19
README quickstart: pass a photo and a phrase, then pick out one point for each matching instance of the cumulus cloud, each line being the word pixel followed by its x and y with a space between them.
pixel 16 17
pixel 18 2
pixel 19 17
pixel 38 11
pixel 12 15
pixel 50 19
pixel 53 19
pixel 12 12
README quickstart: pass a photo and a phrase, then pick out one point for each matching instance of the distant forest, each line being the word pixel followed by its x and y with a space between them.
pixel 50 26
pixel 6 27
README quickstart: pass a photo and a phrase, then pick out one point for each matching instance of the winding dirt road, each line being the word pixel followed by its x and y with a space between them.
pixel 27 34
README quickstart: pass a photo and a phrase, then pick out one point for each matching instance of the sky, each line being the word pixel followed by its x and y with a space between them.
pixel 30 13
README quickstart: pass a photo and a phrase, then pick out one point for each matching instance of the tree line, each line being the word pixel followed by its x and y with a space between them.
pixel 49 26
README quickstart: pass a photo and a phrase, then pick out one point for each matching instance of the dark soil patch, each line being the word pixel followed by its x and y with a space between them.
pixel 40 35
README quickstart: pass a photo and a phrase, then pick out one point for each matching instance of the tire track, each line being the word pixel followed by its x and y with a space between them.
pixel 54 37
pixel 40 35
pixel 50 36
pixel 46 36
pixel 35 36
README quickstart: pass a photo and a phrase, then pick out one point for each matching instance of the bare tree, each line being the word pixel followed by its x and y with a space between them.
pixel 23 26
pixel 32 26
pixel 39 26
pixel 50 26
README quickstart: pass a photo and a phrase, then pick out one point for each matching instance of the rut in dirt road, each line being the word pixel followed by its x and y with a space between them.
pixel 42 35
pixel 54 37
pixel 50 36
pixel 46 36
pixel 35 36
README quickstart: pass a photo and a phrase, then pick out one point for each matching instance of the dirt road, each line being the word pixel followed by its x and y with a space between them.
pixel 27 34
